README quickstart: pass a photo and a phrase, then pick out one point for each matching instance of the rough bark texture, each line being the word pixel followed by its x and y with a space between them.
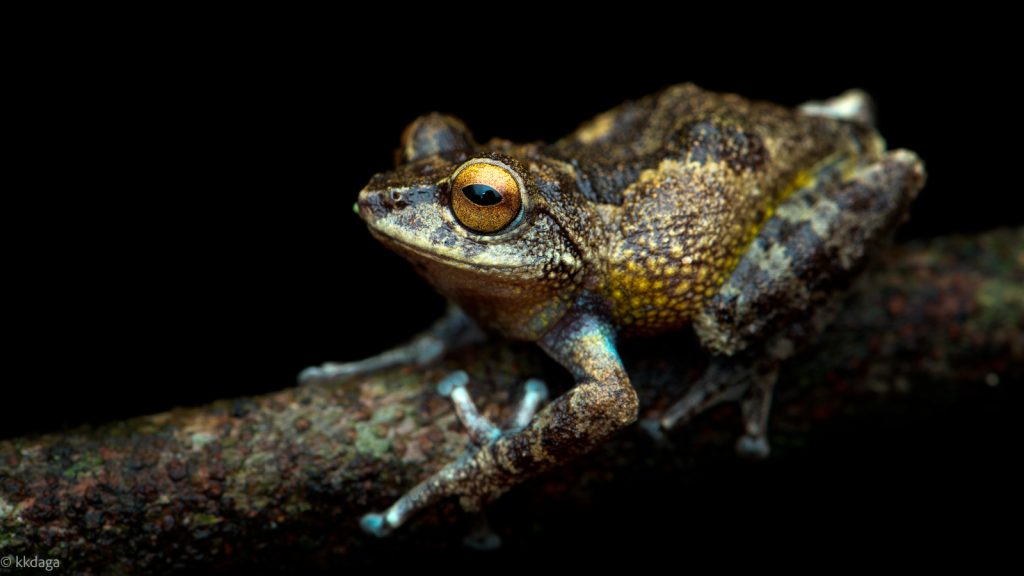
pixel 288 474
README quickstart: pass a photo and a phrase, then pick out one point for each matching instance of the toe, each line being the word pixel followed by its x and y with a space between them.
pixel 753 447
pixel 310 374
pixel 457 379
pixel 375 524
pixel 537 388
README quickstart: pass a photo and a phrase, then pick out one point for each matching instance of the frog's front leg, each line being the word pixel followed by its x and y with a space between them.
pixel 454 329
pixel 601 403
pixel 783 291
pixel 480 429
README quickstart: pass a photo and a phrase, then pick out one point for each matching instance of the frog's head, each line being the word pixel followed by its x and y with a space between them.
pixel 500 229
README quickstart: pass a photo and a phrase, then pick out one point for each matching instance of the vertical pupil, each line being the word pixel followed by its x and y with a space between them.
pixel 481 194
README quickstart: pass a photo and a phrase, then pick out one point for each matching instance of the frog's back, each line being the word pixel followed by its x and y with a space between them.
pixel 693 126
pixel 688 178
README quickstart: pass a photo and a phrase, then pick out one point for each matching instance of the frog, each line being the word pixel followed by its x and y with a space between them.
pixel 741 220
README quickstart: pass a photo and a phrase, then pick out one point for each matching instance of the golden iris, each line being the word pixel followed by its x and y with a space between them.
pixel 485 197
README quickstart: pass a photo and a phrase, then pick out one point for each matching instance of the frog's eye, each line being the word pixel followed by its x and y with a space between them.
pixel 485 196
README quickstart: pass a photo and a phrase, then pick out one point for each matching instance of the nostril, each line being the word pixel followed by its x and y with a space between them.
pixel 398 200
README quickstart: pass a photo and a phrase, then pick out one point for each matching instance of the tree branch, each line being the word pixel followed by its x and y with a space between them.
pixel 290 473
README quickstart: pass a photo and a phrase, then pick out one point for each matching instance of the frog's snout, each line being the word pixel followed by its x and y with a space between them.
pixel 371 205
pixel 375 204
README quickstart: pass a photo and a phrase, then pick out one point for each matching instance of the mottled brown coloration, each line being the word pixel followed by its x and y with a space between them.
pixel 632 225
pixel 712 170
pixel 657 200
pixel 800 260
pixel 693 126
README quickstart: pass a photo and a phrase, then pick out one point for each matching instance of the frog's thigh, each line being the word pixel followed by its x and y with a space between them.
pixel 782 292
pixel 811 249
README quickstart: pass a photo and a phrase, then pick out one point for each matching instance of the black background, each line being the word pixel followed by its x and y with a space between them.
pixel 198 241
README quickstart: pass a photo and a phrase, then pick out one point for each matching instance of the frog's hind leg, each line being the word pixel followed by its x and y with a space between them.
pixel 783 292
pixel 721 382
pixel 730 379
pixel 755 406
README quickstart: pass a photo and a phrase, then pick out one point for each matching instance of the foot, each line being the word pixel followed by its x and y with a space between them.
pixel 481 430
pixel 721 382
pixel 728 381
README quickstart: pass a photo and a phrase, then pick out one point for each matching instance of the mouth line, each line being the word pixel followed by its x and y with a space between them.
pixel 439 257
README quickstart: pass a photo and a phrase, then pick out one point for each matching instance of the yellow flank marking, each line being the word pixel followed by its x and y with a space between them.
pixel 662 275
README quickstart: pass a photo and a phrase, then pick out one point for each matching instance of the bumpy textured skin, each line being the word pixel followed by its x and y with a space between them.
pixel 694 176
pixel 820 239
pixel 740 218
